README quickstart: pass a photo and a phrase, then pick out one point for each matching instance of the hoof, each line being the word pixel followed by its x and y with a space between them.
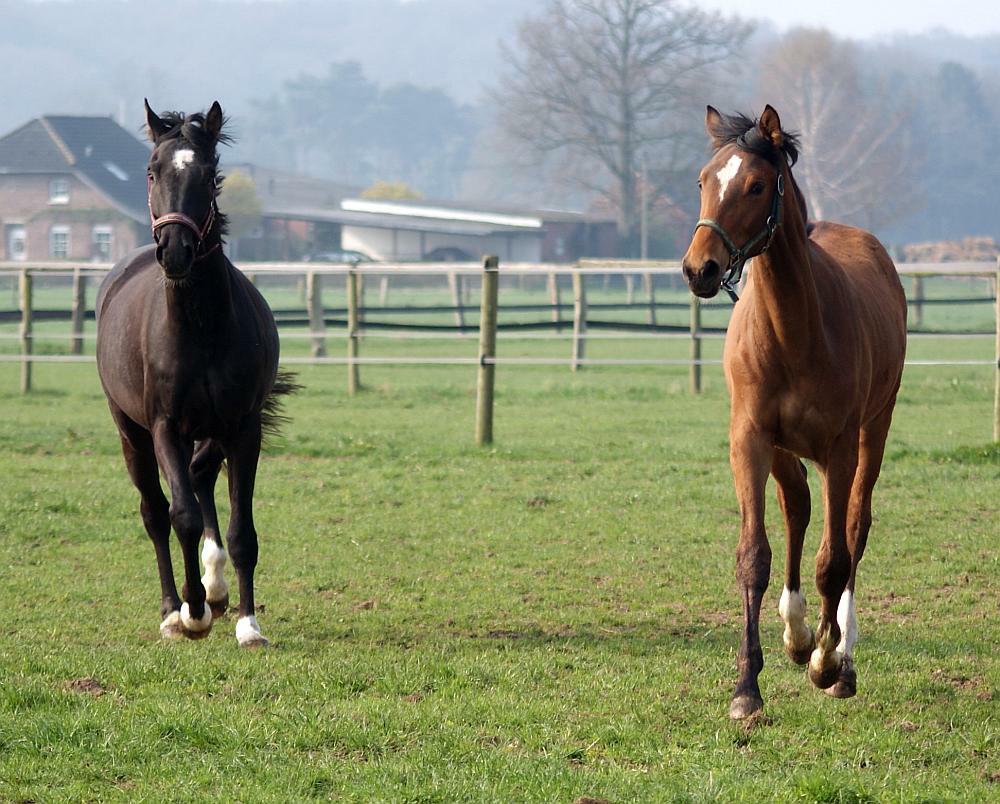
pixel 172 627
pixel 846 685
pixel 248 633
pixel 824 669
pixel 258 641
pixel 196 628
pixel 800 655
pixel 744 706
pixel 219 607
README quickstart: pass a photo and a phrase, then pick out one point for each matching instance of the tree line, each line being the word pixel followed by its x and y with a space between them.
pixel 600 104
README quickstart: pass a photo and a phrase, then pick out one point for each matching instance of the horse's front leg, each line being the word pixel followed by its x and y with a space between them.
pixel 174 457
pixel 833 561
pixel 204 471
pixel 242 455
pixel 750 455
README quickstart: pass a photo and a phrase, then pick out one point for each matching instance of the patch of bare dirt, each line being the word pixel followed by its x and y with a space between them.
pixel 85 686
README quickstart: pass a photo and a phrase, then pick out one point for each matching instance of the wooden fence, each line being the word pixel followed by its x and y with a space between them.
pixel 317 317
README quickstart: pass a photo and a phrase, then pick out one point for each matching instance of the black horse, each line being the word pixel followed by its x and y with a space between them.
pixel 187 352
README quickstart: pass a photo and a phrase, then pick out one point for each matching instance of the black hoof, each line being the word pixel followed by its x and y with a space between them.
pixel 846 685
pixel 800 656
pixel 744 706
pixel 220 608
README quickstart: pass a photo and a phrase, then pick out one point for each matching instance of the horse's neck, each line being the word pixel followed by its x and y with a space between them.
pixel 203 304
pixel 785 293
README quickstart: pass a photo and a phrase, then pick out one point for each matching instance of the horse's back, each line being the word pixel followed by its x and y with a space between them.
pixel 852 265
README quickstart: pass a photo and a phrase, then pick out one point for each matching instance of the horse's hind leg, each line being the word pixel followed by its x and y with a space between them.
pixel 204 471
pixel 793 497
pixel 859 521
pixel 833 561
pixel 242 455
pixel 137 447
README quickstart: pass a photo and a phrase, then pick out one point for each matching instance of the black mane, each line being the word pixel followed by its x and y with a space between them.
pixel 744 132
pixel 191 128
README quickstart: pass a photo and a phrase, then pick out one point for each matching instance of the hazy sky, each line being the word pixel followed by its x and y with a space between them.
pixel 864 18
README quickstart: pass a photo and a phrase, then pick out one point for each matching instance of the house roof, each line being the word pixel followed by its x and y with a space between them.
pixel 96 150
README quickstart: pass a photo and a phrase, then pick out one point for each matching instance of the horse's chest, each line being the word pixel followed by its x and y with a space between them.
pixel 803 423
pixel 205 402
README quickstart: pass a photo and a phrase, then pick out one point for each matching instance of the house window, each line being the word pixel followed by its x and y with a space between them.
pixel 101 240
pixel 59 191
pixel 59 242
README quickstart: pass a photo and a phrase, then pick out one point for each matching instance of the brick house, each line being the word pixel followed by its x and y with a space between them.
pixel 72 188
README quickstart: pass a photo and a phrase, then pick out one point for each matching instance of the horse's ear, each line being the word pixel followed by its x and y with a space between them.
pixel 214 120
pixel 770 127
pixel 713 124
pixel 155 127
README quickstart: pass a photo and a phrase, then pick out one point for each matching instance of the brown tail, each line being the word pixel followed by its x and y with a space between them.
pixel 272 417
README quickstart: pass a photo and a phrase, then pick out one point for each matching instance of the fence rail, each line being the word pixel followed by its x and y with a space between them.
pixel 579 325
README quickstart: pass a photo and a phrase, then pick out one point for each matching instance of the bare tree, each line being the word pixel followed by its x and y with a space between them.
pixel 858 162
pixel 610 88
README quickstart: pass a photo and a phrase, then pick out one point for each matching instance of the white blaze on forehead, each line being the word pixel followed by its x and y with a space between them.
pixel 183 158
pixel 726 175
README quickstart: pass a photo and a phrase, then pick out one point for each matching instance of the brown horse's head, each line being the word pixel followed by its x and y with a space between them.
pixel 183 184
pixel 742 192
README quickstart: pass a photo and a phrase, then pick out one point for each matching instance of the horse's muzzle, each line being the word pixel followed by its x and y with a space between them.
pixel 705 281
pixel 175 253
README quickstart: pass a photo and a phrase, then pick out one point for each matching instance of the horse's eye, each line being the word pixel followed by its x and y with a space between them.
pixel 757 188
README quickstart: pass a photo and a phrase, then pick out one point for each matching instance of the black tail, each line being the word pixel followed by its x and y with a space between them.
pixel 271 417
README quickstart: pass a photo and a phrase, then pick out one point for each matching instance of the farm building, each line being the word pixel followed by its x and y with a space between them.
pixel 72 188
pixel 305 218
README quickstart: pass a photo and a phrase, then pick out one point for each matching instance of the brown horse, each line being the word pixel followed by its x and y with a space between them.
pixel 187 352
pixel 813 360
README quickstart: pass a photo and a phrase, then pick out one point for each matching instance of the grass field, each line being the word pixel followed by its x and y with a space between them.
pixel 552 618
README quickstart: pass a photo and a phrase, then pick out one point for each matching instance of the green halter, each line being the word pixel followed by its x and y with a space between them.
pixel 739 255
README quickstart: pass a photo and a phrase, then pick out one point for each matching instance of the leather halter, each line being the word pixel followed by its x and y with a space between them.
pixel 200 232
pixel 738 256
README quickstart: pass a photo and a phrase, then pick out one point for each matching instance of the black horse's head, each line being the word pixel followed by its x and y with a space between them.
pixel 183 184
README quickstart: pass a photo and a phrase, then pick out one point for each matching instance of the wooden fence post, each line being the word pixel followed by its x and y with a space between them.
pixel 579 320
pixel 554 300
pixel 353 378
pixel 79 311
pixel 650 280
pixel 25 331
pixel 362 287
pixel 487 351
pixel 918 301
pixel 314 304
pixel 996 387
pixel 455 285
pixel 383 290
pixel 695 345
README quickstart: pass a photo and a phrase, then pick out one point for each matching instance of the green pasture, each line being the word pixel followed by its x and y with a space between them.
pixel 548 619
